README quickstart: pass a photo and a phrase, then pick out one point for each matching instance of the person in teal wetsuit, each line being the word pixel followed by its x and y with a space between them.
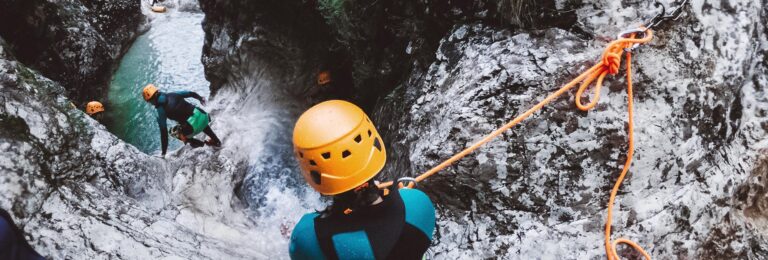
pixel 340 153
pixel 191 119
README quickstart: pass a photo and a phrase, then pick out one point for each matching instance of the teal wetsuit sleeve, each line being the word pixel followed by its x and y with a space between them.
pixel 161 121
pixel 188 94
pixel 304 243
pixel 419 210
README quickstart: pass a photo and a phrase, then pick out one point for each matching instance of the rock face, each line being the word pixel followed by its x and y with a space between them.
pixel 379 42
pixel 460 71
pixel 81 193
pixel 695 189
pixel 542 187
pixel 76 43
pixel 267 28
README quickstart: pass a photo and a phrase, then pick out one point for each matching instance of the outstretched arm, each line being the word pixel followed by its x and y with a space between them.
pixel 188 94
pixel 161 121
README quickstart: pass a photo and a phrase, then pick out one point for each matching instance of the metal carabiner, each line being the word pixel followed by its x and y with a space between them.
pixel 626 33
pixel 409 182
pixel 663 16
pixel 655 21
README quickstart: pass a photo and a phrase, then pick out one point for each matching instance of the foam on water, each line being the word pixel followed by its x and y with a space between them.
pixel 256 127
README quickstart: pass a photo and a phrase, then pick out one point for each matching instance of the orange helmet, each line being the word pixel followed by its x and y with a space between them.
pixel 94 107
pixel 149 91
pixel 337 147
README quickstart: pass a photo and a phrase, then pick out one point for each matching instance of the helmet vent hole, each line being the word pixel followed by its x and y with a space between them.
pixel 377 144
pixel 369 133
pixel 315 176
pixel 312 162
pixel 301 155
pixel 345 154
pixel 358 139
pixel 326 155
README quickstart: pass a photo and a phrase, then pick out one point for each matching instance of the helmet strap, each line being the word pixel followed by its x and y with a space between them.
pixel 359 197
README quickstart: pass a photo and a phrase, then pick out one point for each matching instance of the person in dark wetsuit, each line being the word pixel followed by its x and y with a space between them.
pixel 191 119
pixel 340 153
pixel 13 245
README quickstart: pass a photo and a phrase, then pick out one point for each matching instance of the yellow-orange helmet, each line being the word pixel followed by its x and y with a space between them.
pixel 94 107
pixel 149 91
pixel 337 147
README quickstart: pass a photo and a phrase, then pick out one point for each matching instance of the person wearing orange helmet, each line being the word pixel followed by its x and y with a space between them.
pixel 191 119
pixel 340 153
pixel 95 109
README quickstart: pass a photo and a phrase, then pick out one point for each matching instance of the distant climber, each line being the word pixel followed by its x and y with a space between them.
pixel 95 109
pixel 13 245
pixel 191 119
pixel 333 80
pixel 340 153
pixel 323 78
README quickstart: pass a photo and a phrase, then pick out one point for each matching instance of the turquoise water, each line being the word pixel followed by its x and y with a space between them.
pixel 168 55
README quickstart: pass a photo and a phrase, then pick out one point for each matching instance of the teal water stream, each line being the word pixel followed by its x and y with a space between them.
pixel 168 55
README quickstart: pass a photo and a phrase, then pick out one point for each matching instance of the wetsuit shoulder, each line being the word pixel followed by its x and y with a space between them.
pixel 6 238
pixel 13 245
pixel 419 210
pixel 304 243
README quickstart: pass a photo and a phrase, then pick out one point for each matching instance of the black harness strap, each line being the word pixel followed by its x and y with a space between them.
pixel 382 223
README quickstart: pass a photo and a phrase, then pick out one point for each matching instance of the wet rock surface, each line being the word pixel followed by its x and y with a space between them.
pixel 695 190
pixel 76 43
pixel 542 187
pixel 379 42
pixel 284 33
pixel 79 192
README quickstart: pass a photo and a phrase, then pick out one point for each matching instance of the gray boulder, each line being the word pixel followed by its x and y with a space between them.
pixel 76 43
pixel 78 192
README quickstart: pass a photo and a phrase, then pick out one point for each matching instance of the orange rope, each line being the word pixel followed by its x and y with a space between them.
pixel 609 63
